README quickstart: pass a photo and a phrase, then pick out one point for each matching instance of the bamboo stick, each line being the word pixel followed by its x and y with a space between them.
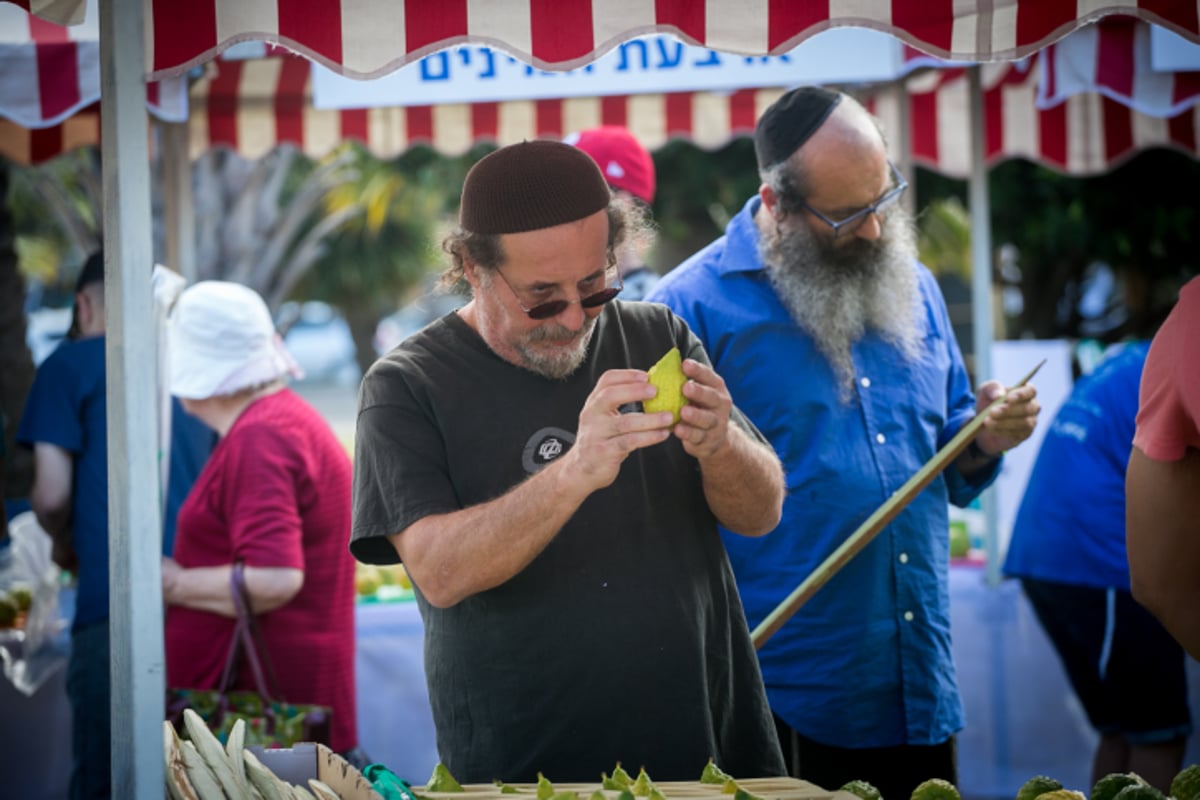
pixel 873 524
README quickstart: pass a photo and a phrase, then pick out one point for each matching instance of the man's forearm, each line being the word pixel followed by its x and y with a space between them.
pixel 744 485
pixel 453 556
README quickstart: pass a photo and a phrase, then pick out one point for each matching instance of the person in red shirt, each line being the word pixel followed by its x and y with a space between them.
pixel 274 495
pixel 1162 481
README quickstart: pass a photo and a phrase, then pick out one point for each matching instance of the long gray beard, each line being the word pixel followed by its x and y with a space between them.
pixel 837 294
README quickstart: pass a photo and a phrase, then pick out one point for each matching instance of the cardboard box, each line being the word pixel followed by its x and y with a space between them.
pixel 306 760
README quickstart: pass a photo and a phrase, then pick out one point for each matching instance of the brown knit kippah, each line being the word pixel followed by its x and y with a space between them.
pixel 531 185
pixel 790 121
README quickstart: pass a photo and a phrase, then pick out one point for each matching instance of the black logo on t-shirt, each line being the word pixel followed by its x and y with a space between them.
pixel 545 446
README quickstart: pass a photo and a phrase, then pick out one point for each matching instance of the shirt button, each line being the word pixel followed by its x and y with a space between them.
pixel 866 382
pixel 908 616
pixel 904 558
pixel 879 437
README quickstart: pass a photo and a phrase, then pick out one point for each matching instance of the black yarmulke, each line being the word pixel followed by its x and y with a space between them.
pixel 531 185
pixel 789 121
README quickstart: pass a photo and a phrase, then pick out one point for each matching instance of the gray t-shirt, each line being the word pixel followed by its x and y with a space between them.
pixel 625 639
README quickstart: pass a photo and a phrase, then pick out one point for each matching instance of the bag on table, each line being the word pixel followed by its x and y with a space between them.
pixel 270 721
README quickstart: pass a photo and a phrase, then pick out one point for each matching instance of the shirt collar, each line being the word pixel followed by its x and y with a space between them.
pixel 741 241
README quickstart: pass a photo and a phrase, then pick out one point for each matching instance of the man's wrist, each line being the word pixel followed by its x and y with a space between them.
pixel 977 452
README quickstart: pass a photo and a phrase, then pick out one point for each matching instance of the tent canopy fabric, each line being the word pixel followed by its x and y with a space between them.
pixel 367 38
pixel 252 106
pixel 1114 58
pixel 255 105
pixel 1085 134
pixel 48 72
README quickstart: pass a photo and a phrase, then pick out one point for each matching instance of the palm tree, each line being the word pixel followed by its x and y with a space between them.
pixel 265 223
pixel 381 254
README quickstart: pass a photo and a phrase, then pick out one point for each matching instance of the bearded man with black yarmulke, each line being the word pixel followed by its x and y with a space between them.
pixel 579 609
pixel 838 345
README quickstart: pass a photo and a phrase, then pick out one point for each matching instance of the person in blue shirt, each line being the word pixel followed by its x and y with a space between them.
pixel 1068 549
pixel 836 342
pixel 65 423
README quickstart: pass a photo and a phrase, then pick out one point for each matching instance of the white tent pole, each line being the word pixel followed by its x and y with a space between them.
pixel 903 134
pixel 134 518
pixel 981 288
pixel 177 199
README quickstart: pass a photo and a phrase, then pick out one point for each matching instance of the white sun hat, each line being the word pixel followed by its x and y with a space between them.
pixel 221 339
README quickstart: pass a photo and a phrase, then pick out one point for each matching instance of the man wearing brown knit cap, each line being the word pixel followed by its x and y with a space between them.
pixel 579 609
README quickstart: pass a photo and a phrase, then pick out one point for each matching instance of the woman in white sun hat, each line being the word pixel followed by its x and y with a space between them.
pixel 274 495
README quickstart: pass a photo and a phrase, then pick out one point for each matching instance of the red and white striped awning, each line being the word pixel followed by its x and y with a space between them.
pixel 1113 57
pixel 48 72
pixel 251 106
pixel 366 38
pixel 23 145
pixel 1086 134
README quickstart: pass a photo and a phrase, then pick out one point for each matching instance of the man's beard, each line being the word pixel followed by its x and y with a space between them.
pixel 527 351
pixel 838 293
pixel 561 362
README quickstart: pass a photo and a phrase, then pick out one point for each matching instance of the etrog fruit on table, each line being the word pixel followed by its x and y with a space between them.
pixel 1063 794
pixel 713 774
pixel 1139 791
pixel 1186 785
pixel 442 781
pixel 862 790
pixel 1107 787
pixel 668 376
pixel 641 786
pixel 936 789
pixel 1038 784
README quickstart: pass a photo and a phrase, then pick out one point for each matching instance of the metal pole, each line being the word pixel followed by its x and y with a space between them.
pixel 981 290
pixel 177 199
pixel 134 517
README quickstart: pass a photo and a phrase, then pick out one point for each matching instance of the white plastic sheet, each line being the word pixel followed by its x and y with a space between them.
pixel 31 654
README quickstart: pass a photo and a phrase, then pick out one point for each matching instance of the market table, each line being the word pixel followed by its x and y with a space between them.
pixel 395 724
pixel 1021 718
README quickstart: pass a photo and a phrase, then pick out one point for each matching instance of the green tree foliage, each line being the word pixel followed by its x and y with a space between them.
pixel 944 238
pixel 698 192
pixel 384 252
pixel 1142 218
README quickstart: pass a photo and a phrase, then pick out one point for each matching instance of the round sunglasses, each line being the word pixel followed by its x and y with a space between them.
pixel 552 308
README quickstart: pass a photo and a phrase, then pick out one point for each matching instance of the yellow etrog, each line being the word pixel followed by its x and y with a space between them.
pixel 668 376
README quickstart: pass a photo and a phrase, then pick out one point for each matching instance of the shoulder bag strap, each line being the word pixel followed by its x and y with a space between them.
pixel 247 631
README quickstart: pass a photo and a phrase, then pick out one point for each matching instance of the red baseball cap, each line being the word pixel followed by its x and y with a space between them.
pixel 625 163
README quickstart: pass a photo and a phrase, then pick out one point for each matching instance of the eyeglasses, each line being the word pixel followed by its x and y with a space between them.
pixel 881 206
pixel 552 308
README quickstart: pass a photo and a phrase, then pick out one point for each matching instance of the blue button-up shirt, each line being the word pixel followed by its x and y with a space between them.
pixel 866 662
